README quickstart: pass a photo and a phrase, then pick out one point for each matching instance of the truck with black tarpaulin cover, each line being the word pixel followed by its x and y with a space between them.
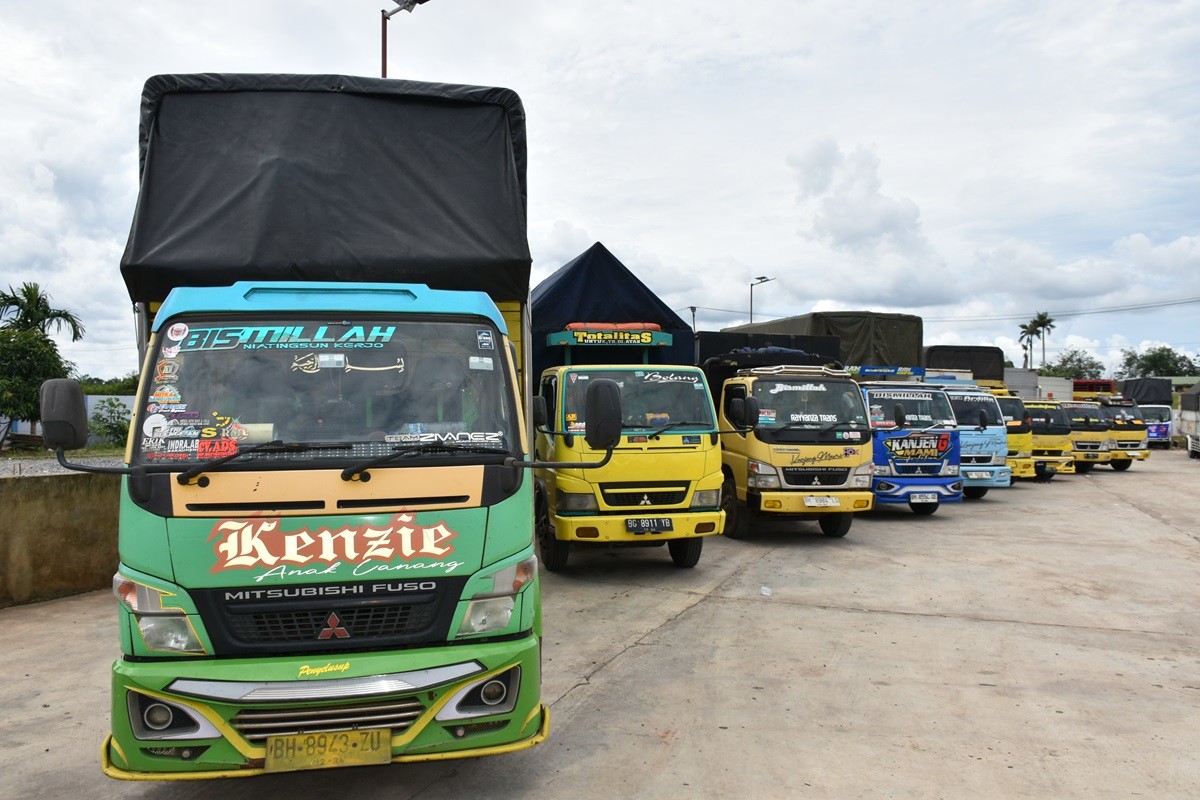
pixel 326 528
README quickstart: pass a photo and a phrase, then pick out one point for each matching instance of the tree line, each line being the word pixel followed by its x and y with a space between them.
pixel 1156 362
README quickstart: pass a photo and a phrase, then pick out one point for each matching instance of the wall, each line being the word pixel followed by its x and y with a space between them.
pixel 58 536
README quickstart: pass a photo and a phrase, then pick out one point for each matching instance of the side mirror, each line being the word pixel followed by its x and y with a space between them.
pixel 898 415
pixel 537 405
pixel 743 413
pixel 64 414
pixel 603 414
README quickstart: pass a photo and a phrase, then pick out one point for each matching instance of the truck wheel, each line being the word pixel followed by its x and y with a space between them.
pixel 923 509
pixel 836 525
pixel 1121 466
pixel 974 492
pixel 1084 467
pixel 737 521
pixel 685 552
pixel 553 553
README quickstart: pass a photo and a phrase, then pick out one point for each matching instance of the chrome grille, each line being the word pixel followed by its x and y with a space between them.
pixel 1045 453
pixel 1129 445
pixel 918 469
pixel 816 476
pixel 975 459
pixel 635 498
pixel 257 724
pixel 1087 445
pixel 306 625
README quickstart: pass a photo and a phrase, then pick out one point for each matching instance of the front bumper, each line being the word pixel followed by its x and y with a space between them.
pixel 1092 456
pixel 224 747
pixel 990 476
pixel 1129 455
pixel 898 489
pixel 613 528
pixel 804 501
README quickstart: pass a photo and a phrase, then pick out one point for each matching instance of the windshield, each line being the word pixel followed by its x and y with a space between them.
pixel 967 408
pixel 221 386
pixel 1084 413
pixel 798 403
pixel 651 398
pixel 1129 413
pixel 1044 417
pixel 1013 408
pixel 922 408
pixel 1156 413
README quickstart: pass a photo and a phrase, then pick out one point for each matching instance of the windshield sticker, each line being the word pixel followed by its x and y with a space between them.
pixel 877 394
pixel 798 387
pixel 480 362
pixel 216 448
pixel 177 332
pixel 351 551
pixel 159 448
pixel 766 416
pixel 671 377
pixel 167 393
pixel 691 439
pixel 166 371
pixel 814 418
pixel 484 340
pixel 288 337
pixel 495 438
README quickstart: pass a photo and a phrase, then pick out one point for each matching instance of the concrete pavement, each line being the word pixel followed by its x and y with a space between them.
pixel 1041 642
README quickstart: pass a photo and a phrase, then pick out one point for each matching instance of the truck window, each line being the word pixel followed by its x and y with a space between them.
pixel 922 408
pixel 369 383
pixel 650 398
pixel 808 402
pixel 967 408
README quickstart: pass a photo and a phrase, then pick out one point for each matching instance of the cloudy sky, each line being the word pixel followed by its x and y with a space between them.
pixel 972 162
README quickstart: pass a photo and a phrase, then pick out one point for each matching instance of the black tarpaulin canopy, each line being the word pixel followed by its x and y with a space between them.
pixel 328 177
pixel 596 287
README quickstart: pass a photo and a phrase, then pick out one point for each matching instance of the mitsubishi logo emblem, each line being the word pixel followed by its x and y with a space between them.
pixel 333 628
pixel 816 481
pixel 645 500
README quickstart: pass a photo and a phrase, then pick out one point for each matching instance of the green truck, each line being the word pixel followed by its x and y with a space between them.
pixel 326 528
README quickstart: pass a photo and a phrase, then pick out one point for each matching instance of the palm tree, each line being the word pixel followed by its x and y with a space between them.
pixel 1043 323
pixel 31 311
pixel 1028 334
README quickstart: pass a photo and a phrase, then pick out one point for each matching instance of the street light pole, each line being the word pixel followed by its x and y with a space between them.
pixel 756 282
pixel 384 16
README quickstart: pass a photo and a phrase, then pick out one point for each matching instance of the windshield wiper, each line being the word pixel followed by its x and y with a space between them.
pixel 835 425
pixel 679 424
pixel 275 446
pixel 408 450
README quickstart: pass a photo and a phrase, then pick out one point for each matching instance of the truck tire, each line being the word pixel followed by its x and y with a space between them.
pixel 974 492
pixel 553 553
pixel 924 509
pixel 685 552
pixel 1084 467
pixel 1121 466
pixel 836 525
pixel 737 522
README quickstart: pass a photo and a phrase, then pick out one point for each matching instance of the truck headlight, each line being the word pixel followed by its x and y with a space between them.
pixel 883 470
pixel 948 470
pixel 862 476
pixel 571 501
pixel 1024 454
pixel 1108 444
pixel 761 476
pixel 491 609
pixel 999 459
pixel 706 498
pixel 162 627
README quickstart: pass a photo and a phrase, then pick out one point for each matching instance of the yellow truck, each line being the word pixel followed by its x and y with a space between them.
pixel 1020 438
pixel 1092 441
pixel 796 443
pixel 662 483
pixel 1051 430
pixel 1130 436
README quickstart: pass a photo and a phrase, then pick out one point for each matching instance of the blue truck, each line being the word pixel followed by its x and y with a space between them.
pixel 983 436
pixel 916 445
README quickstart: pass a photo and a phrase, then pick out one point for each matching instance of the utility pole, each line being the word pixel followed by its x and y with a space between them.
pixel 756 282
pixel 384 16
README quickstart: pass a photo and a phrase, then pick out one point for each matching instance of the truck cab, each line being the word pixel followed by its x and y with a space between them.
pixel 1092 441
pixel 1129 433
pixel 916 445
pixel 662 484
pixel 796 445
pixel 1159 425
pixel 983 437
pixel 1020 437
pixel 1051 430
